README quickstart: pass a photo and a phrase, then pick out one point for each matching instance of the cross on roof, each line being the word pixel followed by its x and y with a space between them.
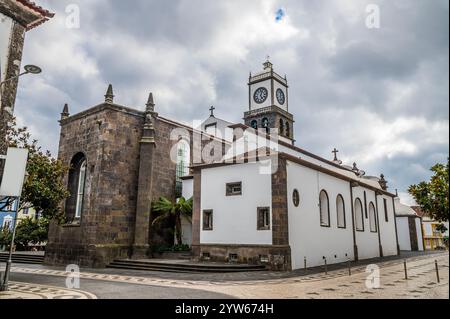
pixel 212 108
pixel 335 151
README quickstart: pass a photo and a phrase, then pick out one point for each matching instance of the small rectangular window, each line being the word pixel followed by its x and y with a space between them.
pixel 207 220
pixel 263 218
pixel 211 129
pixel 25 211
pixel 234 189
pixel 386 218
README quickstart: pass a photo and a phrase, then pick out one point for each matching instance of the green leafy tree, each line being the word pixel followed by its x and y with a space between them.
pixel 5 237
pixel 432 196
pixel 168 209
pixel 31 231
pixel 43 189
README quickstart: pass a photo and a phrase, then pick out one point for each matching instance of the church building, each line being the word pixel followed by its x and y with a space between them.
pixel 257 198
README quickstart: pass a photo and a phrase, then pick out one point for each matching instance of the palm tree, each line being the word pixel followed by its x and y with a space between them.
pixel 167 208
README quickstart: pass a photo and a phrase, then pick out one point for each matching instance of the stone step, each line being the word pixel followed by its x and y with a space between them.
pixel 23 258
pixel 182 267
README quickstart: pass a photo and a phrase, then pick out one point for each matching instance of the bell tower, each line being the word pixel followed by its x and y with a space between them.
pixel 268 103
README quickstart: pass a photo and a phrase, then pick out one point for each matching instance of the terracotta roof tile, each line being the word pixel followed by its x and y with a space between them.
pixel 33 6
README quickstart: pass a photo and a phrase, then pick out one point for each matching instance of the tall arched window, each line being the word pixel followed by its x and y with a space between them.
pixel 324 209
pixel 183 160
pixel 359 217
pixel 340 211
pixel 80 192
pixel 372 218
pixel 76 187
pixel 254 124
pixel 288 129
pixel 281 127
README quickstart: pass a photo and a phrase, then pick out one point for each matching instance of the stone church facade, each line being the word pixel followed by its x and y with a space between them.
pixel 124 156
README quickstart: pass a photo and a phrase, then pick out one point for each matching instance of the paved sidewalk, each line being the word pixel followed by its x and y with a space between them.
pixel 19 290
pixel 422 282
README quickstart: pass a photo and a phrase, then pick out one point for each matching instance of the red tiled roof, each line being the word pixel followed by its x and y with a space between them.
pixel 33 6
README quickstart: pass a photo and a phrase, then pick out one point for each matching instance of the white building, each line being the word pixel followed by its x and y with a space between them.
pixel 272 202
pixel 409 226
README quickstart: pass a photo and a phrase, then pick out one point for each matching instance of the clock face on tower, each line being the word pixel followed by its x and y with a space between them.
pixel 260 95
pixel 280 97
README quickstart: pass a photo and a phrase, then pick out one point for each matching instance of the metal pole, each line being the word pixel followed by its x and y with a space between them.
pixel 349 267
pixel 304 263
pixel 406 270
pixel 4 286
pixel 326 268
pixel 437 271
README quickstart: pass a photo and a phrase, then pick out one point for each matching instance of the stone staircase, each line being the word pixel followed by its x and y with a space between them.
pixel 182 266
pixel 23 258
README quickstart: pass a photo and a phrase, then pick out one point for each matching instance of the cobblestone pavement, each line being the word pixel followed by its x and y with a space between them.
pixel 421 283
pixel 19 290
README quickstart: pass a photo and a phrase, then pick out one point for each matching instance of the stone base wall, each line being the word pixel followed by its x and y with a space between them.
pixel 279 257
pixel 83 255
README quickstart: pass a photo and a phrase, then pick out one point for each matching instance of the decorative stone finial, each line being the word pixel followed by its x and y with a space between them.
pixel 109 96
pixel 383 182
pixel 65 112
pixel 268 65
pixel 355 168
pixel 150 106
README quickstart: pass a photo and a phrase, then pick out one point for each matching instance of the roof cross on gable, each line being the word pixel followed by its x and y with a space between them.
pixel 211 109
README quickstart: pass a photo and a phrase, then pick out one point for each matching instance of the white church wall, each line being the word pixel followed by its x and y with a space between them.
pixel 403 233
pixel 367 241
pixel 307 237
pixel 388 237
pixel 186 231
pixel 188 188
pixel 235 217
pixel 186 225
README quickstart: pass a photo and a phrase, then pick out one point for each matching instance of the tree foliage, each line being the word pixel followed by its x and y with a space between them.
pixel 432 196
pixel 43 188
pixel 28 231
pixel 168 209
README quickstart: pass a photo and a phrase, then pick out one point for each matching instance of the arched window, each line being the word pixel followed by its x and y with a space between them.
pixel 281 127
pixel 288 129
pixel 265 124
pixel 80 193
pixel 359 217
pixel 340 211
pixel 324 209
pixel 372 218
pixel 183 160
pixel 254 124
pixel 76 187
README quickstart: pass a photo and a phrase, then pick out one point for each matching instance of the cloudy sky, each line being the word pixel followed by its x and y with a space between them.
pixel 380 95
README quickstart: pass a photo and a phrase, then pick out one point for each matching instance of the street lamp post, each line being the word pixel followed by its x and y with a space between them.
pixel 29 69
